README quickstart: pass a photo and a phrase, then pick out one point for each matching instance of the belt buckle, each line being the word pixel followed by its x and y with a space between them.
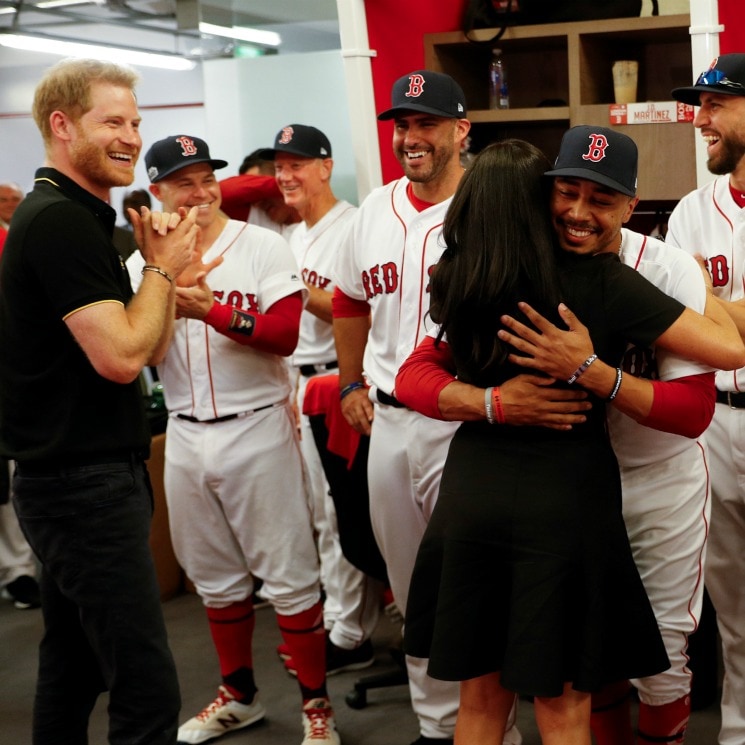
pixel 729 400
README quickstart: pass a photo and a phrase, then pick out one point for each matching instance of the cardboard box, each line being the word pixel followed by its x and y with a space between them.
pixel 650 112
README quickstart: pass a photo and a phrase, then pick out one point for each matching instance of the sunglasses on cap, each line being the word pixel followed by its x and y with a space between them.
pixel 717 77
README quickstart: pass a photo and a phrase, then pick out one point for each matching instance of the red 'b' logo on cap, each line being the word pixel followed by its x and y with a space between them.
pixel 416 86
pixel 286 136
pixel 187 145
pixel 598 146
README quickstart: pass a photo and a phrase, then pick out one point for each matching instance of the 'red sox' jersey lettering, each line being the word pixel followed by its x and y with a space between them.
pixel 243 301
pixel 641 362
pixel 312 277
pixel 381 279
pixel 719 270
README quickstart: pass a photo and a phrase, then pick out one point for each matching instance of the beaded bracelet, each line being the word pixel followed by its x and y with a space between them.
pixel 582 368
pixel 617 386
pixel 347 389
pixel 498 409
pixel 158 270
pixel 488 405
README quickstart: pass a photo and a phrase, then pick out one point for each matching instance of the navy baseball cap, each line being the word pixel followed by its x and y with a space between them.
pixel 428 92
pixel 170 154
pixel 299 139
pixel 598 154
pixel 726 74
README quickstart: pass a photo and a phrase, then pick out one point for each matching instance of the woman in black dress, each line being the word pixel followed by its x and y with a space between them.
pixel 524 581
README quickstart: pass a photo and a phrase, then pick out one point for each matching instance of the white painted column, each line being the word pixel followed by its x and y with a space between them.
pixel 356 56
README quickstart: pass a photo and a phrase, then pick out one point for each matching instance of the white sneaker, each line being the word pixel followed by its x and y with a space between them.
pixel 224 714
pixel 318 723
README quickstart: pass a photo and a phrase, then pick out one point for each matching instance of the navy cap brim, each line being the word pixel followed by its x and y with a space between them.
pixel 691 94
pixel 269 154
pixel 391 113
pixel 214 162
pixel 591 175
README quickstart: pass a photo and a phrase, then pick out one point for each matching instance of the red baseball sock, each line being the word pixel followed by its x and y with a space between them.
pixel 232 631
pixel 304 634
pixel 610 720
pixel 666 723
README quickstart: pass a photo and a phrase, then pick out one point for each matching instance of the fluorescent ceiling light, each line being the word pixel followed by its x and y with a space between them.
pixel 49 45
pixel 53 4
pixel 251 35
pixel 64 3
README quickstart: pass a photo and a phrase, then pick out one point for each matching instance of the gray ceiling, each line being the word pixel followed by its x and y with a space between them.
pixel 170 25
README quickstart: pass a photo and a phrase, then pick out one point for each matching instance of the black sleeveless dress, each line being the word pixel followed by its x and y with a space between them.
pixel 525 566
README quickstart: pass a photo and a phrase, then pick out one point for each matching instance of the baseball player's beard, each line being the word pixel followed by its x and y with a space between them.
pixel 439 161
pixel 730 151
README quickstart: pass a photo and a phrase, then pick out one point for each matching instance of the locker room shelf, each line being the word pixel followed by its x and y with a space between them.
pixel 560 76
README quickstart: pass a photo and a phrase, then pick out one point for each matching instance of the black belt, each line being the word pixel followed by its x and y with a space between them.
pixel 309 371
pixel 57 465
pixel 388 400
pixel 732 399
pixel 218 419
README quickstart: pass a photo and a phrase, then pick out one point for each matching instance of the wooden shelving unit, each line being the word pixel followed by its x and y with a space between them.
pixel 560 76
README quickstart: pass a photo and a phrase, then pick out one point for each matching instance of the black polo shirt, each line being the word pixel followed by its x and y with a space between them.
pixel 58 258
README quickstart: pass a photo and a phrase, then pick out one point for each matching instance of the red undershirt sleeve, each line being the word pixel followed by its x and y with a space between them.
pixel 343 306
pixel 275 331
pixel 240 192
pixel 683 406
pixel 426 371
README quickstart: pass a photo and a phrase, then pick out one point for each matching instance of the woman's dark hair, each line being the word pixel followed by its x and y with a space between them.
pixel 499 249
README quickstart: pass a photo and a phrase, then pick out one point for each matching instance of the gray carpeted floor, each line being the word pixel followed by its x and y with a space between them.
pixel 386 720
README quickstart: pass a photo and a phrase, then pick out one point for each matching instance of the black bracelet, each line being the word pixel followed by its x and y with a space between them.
pixel 617 386
pixel 347 389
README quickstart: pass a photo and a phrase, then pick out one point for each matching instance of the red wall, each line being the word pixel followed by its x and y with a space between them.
pixel 733 37
pixel 395 31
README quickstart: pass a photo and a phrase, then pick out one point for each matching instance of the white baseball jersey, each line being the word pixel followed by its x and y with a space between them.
pixel 386 261
pixel 708 222
pixel 677 274
pixel 258 269
pixel 315 250
pixel 389 256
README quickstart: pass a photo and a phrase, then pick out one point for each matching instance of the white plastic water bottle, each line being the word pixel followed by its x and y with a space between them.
pixel 499 96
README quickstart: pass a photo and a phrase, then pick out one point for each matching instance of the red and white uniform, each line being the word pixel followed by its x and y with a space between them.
pixel 386 262
pixel 235 489
pixel 665 479
pixel 709 222
pixel 351 607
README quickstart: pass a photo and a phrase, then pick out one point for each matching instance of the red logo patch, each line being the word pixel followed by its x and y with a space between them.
pixel 598 146
pixel 187 146
pixel 416 86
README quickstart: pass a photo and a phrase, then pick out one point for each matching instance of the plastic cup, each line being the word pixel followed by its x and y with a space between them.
pixel 625 74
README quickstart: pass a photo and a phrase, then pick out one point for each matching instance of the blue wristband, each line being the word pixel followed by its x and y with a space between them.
pixel 347 389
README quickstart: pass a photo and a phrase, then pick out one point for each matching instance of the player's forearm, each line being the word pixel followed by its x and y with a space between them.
pixel 275 331
pixel 350 336
pixel 711 339
pixel 735 310
pixel 319 303
pixel 633 397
